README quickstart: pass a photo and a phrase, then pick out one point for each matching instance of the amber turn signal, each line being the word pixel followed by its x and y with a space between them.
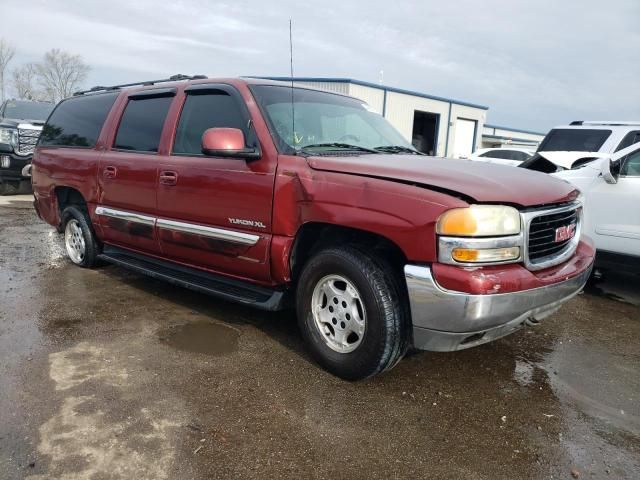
pixel 474 255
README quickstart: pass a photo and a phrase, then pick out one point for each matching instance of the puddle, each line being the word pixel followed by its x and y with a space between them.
pixel 620 287
pixel 202 337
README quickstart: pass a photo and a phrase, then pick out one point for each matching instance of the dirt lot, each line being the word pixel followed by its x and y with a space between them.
pixel 105 374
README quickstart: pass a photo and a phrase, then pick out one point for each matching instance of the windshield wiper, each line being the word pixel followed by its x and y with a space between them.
pixel 397 149
pixel 340 146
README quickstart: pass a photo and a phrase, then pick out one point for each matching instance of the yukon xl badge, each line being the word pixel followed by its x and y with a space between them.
pixel 246 223
pixel 565 233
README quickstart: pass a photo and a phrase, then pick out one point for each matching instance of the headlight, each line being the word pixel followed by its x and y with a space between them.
pixel 479 221
pixel 9 136
pixel 479 234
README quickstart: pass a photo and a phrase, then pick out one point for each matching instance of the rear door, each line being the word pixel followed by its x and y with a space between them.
pixel 215 213
pixel 128 173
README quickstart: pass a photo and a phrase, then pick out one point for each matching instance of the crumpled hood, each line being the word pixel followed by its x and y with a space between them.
pixel 477 181
pixel 566 159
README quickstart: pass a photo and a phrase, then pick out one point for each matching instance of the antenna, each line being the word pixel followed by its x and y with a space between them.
pixel 293 110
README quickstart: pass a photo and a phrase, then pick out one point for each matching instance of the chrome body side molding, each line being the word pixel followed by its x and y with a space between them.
pixel 127 216
pixel 222 234
pixel 211 232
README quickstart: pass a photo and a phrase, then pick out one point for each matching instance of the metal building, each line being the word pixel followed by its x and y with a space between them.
pixel 495 136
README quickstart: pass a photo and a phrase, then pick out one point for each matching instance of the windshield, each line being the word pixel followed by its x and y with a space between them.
pixel 574 140
pixel 324 120
pixel 23 110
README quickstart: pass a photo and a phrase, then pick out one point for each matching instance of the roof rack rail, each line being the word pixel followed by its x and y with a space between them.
pixel 173 78
pixel 576 122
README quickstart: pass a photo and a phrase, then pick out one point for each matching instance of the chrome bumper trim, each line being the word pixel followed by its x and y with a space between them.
pixel 444 320
pixel 128 216
pixel 211 232
pixel 26 170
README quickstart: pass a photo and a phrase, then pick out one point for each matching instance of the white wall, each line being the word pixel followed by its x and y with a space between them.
pixel 374 97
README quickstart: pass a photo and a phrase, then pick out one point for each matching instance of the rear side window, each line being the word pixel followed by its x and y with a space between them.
pixel 519 156
pixel 141 125
pixel 629 139
pixel 574 140
pixel 77 122
pixel 213 109
pixel 494 154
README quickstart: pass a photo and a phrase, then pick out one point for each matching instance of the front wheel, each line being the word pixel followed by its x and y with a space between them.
pixel 350 313
pixel 80 242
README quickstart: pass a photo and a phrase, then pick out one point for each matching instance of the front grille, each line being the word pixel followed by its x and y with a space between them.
pixel 542 235
pixel 27 139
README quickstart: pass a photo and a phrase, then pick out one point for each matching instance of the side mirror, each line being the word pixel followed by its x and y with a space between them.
pixel 228 143
pixel 608 171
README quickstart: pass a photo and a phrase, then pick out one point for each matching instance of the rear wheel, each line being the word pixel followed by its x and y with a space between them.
pixel 80 241
pixel 350 313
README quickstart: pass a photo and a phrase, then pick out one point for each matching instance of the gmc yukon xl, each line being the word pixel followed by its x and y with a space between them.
pixel 279 197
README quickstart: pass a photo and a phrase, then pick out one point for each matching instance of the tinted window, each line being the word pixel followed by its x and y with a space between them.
pixel 141 124
pixel 629 139
pixel 488 154
pixel 501 154
pixel 203 111
pixel 631 165
pixel 77 122
pixel 519 156
pixel 574 140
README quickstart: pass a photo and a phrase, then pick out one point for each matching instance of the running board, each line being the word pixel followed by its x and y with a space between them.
pixel 198 280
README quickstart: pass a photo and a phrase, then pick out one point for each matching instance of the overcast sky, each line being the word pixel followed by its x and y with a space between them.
pixel 534 63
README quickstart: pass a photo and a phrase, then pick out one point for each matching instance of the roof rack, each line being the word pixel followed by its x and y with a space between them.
pixel 173 78
pixel 612 123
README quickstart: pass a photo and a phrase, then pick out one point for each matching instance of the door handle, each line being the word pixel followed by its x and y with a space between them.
pixel 110 172
pixel 168 178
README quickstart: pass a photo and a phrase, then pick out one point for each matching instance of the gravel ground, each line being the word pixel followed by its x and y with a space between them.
pixel 105 374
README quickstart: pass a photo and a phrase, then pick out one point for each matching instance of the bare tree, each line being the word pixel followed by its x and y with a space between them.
pixel 6 55
pixel 24 82
pixel 61 74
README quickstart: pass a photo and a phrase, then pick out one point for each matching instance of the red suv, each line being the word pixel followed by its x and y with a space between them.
pixel 274 196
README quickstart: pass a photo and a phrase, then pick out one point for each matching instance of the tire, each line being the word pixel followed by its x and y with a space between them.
pixel 9 187
pixel 332 274
pixel 80 241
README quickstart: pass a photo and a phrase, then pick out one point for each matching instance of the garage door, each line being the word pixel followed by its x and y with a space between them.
pixel 464 140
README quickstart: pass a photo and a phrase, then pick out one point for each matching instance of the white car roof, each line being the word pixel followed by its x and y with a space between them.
pixel 518 149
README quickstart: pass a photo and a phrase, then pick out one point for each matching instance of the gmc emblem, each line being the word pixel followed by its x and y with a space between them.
pixel 565 233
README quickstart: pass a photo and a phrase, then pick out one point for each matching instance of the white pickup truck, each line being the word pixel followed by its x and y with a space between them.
pixel 611 189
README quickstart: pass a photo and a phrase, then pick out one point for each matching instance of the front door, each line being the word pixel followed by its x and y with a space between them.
pixel 615 209
pixel 215 213
pixel 128 173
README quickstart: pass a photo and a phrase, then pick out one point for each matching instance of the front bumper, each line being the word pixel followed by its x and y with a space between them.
pixel 445 320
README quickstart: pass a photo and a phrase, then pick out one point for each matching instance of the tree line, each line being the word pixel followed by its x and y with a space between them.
pixel 58 75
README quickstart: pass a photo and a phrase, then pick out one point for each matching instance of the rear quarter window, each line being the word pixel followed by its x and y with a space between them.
pixel 77 121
